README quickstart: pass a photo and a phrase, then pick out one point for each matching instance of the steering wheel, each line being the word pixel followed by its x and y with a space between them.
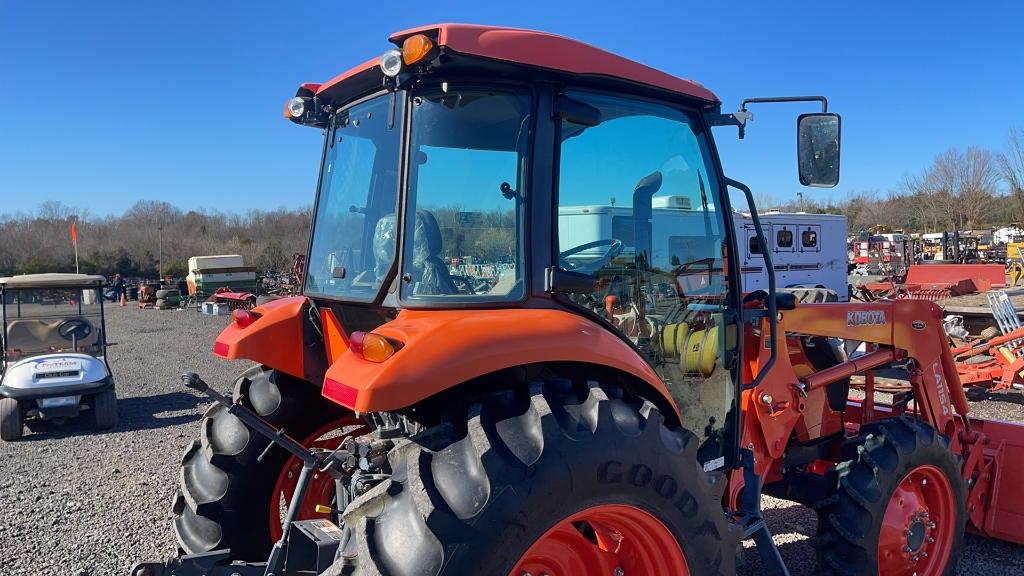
pixel 614 249
pixel 74 329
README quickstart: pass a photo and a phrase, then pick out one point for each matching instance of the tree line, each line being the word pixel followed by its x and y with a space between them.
pixel 134 243
pixel 962 189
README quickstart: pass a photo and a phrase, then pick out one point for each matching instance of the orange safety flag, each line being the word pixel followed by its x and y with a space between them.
pixel 74 232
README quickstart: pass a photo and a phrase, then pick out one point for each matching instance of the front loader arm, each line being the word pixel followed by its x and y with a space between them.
pixel 992 452
pixel 910 329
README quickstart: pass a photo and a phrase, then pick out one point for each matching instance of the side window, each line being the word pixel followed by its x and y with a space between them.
pixel 638 209
pixel 754 246
pixel 809 239
pixel 784 239
pixel 353 245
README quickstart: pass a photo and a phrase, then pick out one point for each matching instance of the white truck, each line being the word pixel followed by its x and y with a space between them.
pixel 808 250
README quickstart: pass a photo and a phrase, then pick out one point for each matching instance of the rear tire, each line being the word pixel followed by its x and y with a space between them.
pixel 854 534
pixel 474 496
pixel 812 295
pixel 11 421
pixel 225 494
pixel 104 409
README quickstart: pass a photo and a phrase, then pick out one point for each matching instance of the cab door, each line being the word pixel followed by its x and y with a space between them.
pixel 674 305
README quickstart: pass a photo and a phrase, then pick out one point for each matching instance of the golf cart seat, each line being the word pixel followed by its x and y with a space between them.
pixel 34 336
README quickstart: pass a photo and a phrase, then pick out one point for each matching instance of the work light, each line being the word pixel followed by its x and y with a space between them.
pixel 391 63
pixel 296 107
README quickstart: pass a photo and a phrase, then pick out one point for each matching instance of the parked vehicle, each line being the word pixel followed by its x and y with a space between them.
pixel 594 411
pixel 54 347
pixel 807 249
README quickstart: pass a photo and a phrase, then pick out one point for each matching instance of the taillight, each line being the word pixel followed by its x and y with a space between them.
pixel 370 346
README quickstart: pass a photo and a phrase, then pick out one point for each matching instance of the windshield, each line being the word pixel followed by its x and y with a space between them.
pixel 353 244
pixel 466 196
pixel 51 320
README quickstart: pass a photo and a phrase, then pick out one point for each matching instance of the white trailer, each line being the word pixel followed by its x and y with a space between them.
pixel 807 249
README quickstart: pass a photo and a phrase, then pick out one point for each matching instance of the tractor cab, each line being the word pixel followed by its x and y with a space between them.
pixel 452 184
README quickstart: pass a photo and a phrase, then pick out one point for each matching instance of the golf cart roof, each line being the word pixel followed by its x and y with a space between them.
pixel 52 280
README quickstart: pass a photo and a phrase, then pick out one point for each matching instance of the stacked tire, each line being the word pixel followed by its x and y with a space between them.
pixel 168 298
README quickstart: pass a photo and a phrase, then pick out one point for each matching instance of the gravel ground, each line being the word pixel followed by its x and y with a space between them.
pixel 80 502
pixel 74 501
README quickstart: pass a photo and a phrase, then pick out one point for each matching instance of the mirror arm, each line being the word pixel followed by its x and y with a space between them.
pixel 822 99
pixel 738 119
pixel 742 116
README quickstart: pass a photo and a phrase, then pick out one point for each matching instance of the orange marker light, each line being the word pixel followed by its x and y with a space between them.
pixel 370 346
pixel 415 48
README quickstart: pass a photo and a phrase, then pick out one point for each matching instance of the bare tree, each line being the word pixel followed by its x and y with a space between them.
pixel 977 179
pixel 1011 169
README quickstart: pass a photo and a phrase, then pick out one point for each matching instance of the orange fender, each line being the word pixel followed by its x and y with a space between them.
pixel 275 339
pixel 443 348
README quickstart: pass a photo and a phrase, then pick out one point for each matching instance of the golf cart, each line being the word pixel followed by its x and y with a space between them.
pixel 53 346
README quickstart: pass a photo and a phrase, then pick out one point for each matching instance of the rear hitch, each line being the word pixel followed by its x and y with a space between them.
pixel 315 541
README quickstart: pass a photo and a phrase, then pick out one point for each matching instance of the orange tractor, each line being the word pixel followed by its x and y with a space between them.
pixel 467 386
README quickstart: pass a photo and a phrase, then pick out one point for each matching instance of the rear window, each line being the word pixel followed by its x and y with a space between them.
pixel 755 246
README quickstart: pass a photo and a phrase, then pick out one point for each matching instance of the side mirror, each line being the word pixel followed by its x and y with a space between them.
pixel 817 149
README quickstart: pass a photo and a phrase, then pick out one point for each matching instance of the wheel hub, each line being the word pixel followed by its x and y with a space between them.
pixel 917 529
pixel 321 486
pixel 915 535
pixel 612 540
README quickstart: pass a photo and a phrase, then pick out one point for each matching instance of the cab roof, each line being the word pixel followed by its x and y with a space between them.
pixel 539 49
pixel 52 280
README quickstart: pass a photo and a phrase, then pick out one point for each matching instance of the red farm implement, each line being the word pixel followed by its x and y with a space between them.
pixel 234 300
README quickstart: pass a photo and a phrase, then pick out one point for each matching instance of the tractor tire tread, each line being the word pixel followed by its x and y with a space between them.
pixel 805 295
pixel 220 478
pixel 459 488
pixel 849 518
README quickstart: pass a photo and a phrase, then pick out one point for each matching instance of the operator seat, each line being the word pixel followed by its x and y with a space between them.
pixel 430 274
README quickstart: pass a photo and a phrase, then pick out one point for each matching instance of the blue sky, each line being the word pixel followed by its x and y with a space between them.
pixel 107 103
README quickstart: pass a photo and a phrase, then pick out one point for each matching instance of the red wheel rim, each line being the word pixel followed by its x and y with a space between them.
pixel 611 540
pixel 321 486
pixel 917 529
